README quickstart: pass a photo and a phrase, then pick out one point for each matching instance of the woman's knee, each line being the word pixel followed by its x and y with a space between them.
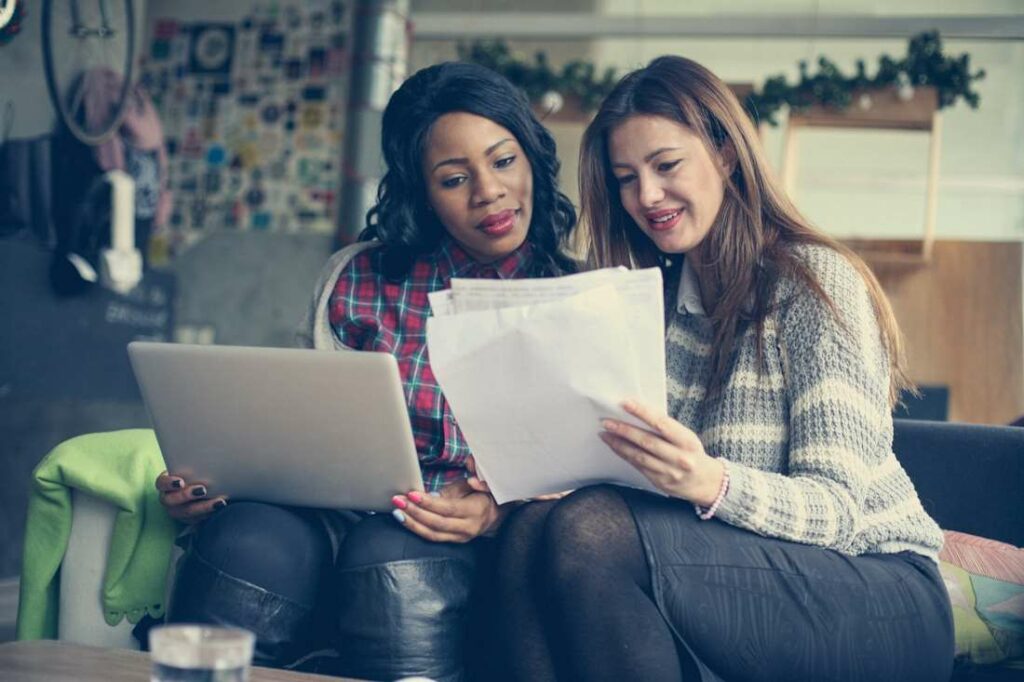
pixel 582 533
pixel 270 546
pixel 520 541
pixel 260 567
pixel 379 539
pixel 527 521
pixel 402 602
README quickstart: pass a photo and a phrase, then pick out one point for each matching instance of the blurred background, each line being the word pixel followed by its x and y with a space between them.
pixel 249 133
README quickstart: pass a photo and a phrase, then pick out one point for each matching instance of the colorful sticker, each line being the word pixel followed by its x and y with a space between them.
pixel 216 155
pixel 165 29
pixel 213 47
pixel 336 61
pixel 248 155
pixel 261 220
pixel 271 43
pixel 160 50
pixel 317 61
pixel 192 147
pixel 270 114
pixel 314 93
pixel 255 197
pixel 312 116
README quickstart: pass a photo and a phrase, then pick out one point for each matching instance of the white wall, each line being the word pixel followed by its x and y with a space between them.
pixel 877 8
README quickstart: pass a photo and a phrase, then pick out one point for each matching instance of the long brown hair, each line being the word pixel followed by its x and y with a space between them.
pixel 749 246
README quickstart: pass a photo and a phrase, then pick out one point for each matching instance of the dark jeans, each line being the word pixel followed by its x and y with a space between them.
pixel 389 603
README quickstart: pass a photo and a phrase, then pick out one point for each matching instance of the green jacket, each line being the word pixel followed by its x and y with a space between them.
pixel 119 467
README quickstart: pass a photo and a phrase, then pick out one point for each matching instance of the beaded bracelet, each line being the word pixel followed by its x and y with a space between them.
pixel 709 513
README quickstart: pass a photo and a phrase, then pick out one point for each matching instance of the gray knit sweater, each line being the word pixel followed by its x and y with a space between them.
pixel 809 441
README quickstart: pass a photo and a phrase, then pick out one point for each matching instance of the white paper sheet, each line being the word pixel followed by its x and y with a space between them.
pixel 641 290
pixel 529 384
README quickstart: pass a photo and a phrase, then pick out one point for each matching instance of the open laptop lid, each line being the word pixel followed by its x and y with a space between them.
pixel 288 426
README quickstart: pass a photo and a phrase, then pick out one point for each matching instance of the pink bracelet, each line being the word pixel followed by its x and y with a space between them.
pixel 709 513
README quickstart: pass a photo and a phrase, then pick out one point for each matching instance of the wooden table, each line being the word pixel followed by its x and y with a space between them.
pixel 52 661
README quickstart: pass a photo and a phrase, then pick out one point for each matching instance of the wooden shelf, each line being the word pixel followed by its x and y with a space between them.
pixel 890 252
pixel 887 112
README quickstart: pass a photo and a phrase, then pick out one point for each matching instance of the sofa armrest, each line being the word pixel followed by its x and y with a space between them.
pixel 80 610
pixel 80 618
pixel 969 477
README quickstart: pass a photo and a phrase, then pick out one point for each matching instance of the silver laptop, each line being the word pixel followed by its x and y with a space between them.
pixel 289 426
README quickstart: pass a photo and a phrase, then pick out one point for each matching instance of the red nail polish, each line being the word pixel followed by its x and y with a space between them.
pixel 415 497
pixel 399 502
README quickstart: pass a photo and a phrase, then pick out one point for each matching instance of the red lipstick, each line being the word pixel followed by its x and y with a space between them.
pixel 663 220
pixel 498 224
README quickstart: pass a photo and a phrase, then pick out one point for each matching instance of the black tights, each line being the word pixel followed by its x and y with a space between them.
pixel 563 567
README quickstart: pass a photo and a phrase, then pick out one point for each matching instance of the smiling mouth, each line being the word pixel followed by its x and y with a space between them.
pixel 499 224
pixel 664 220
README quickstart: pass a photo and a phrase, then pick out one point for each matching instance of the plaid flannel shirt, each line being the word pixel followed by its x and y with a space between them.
pixel 369 313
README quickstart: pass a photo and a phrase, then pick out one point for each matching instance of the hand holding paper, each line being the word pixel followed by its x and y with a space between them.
pixel 529 383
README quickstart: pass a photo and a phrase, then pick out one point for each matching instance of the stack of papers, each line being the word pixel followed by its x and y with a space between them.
pixel 531 366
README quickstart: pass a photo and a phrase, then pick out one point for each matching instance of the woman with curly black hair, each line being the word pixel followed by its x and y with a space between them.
pixel 470 191
pixel 404 220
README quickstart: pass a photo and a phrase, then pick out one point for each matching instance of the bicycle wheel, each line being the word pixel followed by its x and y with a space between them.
pixel 7 11
pixel 88 49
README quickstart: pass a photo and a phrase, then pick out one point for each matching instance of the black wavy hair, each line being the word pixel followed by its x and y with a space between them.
pixel 402 221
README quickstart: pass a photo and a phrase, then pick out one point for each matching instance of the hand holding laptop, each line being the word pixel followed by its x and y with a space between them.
pixel 282 426
pixel 187 502
pixel 460 512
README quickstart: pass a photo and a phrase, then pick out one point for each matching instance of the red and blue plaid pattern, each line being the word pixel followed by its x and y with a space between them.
pixel 369 313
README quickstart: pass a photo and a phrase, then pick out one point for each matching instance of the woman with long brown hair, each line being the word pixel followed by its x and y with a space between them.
pixel 789 543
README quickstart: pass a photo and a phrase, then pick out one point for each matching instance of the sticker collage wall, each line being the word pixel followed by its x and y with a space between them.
pixel 253 114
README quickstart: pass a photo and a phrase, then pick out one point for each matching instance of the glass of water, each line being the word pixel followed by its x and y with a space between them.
pixel 200 653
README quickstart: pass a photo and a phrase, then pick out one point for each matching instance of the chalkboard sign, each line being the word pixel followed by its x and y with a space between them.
pixel 73 348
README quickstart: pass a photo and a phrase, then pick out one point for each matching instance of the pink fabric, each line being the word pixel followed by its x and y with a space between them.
pixel 140 127
pixel 983 556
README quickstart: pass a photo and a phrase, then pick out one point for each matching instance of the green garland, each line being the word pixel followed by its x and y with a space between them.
pixel 924 64
pixel 536 79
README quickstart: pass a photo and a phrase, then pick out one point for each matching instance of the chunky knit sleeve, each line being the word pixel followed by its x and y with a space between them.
pixel 836 382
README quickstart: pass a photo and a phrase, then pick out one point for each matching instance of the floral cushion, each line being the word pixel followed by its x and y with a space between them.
pixel 985 579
